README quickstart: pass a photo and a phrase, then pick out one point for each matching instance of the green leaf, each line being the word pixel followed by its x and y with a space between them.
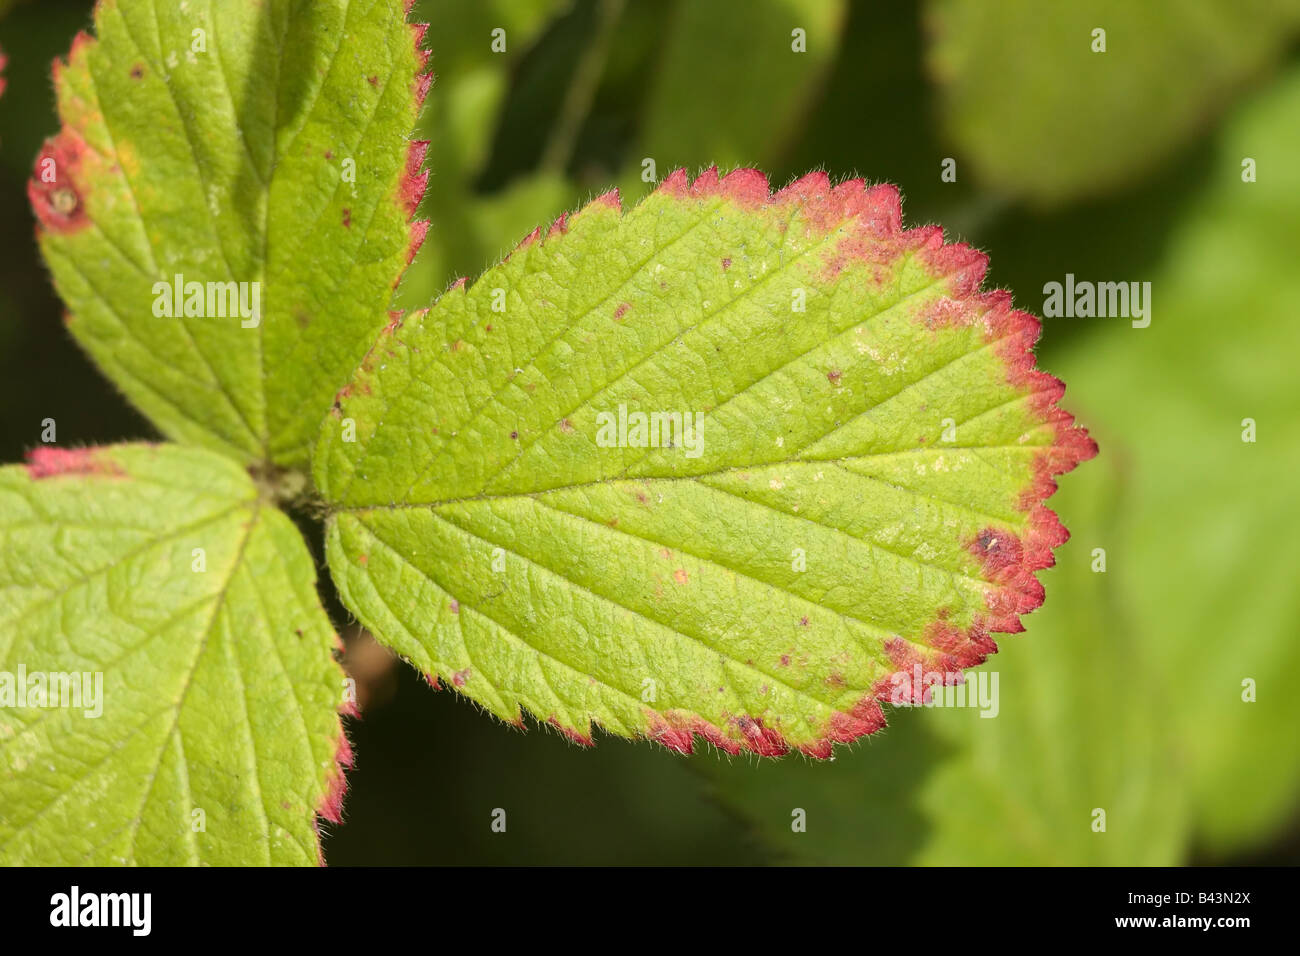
pixel 864 491
pixel 1039 114
pixel 766 85
pixel 214 682
pixel 216 142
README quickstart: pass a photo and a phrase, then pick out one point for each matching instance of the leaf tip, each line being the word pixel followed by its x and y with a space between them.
pixel 610 198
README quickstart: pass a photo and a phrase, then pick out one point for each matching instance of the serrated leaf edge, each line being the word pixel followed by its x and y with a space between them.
pixel 1008 561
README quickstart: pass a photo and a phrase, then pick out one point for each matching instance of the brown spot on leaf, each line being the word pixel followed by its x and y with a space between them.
pixel 621 310
pixel 680 576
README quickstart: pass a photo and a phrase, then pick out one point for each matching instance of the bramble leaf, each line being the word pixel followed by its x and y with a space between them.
pixel 248 149
pixel 209 733
pixel 862 490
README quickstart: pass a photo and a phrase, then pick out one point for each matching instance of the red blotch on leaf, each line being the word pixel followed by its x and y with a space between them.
pixel 53 190
pixel 49 461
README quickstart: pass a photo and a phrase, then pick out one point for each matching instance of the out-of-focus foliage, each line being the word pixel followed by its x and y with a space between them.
pixel 1204 550
pixel 730 85
pixel 467 231
pixel 1042 111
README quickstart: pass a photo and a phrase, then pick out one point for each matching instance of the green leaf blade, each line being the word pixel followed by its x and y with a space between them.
pixel 219 693
pixel 485 530
pixel 249 161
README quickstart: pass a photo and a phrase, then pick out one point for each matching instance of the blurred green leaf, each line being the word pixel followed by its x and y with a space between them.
pixel 1206 550
pixel 1040 115
pixel 730 88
